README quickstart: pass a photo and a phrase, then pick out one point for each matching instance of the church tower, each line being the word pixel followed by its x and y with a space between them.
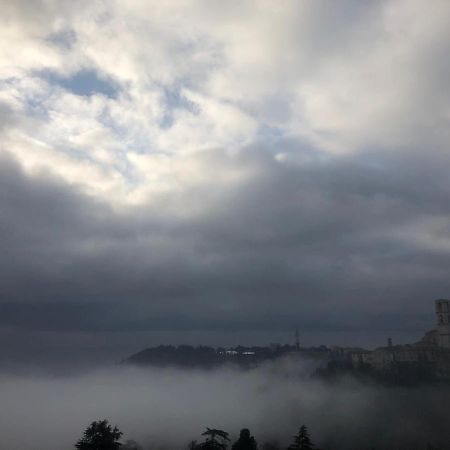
pixel 443 318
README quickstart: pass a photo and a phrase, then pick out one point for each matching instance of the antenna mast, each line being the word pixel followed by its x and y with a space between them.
pixel 297 340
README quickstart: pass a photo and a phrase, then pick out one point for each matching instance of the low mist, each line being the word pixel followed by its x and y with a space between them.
pixel 167 408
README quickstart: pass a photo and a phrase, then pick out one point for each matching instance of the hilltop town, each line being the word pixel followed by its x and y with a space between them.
pixel 428 358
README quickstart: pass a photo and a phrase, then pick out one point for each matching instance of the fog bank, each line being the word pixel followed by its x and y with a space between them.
pixel 166 408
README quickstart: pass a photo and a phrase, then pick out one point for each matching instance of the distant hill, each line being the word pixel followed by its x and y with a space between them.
pixel 206 357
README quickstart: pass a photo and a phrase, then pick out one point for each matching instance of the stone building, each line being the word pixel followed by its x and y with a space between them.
pixel 433 350
pixel 443 328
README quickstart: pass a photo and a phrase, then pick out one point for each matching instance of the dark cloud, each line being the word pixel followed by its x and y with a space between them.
pixel 343 231
pixel 333 244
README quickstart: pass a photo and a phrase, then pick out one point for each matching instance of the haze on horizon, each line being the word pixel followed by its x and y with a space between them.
pixel 221 173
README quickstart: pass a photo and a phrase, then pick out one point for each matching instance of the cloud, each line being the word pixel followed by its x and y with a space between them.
pixel 224 166
pixel 344 77
pixel 250 243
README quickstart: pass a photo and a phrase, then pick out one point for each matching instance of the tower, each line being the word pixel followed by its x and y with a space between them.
pixel 443 319
pixel 297 340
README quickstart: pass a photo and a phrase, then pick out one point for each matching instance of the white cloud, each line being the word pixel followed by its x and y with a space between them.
pixel 197 75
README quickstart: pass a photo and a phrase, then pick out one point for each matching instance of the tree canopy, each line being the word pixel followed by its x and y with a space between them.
pixel 245 441
pixel 100 436
pixel 215 439
pixel 302 441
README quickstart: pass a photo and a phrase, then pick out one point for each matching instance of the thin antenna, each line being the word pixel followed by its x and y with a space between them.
pixel 297 340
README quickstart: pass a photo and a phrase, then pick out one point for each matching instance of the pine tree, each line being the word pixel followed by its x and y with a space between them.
pixel 302 441
pixel 100 436
pixel 215 439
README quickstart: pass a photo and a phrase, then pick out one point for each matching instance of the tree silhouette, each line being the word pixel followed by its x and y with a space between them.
pixel 215 439
pixel 302 440
pixel 192 445
pixel 245 441
pixel 100 436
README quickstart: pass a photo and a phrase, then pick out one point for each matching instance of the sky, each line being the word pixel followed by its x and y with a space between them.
pixel 221 172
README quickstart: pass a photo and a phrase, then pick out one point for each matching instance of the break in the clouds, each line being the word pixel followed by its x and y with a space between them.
pixel 191 165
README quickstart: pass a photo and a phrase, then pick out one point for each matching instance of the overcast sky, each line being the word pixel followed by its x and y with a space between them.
pixel 202 170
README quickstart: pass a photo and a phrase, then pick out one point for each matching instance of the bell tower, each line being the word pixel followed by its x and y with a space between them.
pixel 443 325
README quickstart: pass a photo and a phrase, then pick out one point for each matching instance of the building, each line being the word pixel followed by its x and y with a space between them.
pixel 433 350
pixel 443 328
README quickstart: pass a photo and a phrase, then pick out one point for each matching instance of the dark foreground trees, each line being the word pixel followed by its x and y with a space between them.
pixel 245 441
pixel 215 440
pixel 218 440
pixel 302 440
pixel 100 436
